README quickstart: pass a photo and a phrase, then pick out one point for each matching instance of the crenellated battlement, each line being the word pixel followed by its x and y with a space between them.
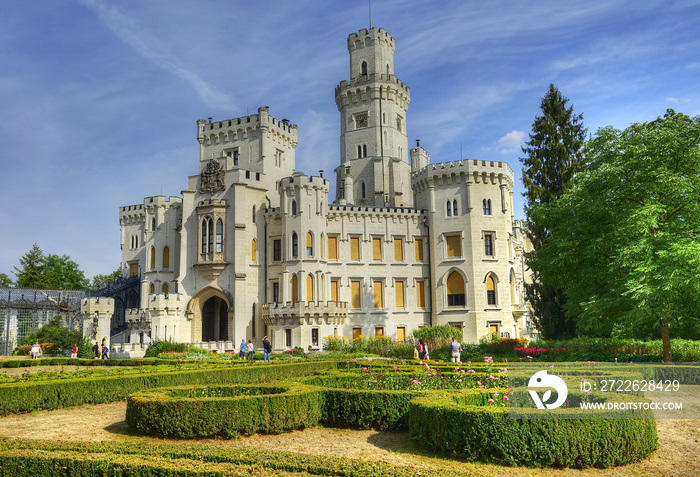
pixel 366 37
pixel 301 180
pixel 477 170
pixel 237 129
pixel 365 89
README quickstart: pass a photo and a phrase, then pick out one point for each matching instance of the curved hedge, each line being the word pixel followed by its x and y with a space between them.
pixel 460 424
pixel 196 411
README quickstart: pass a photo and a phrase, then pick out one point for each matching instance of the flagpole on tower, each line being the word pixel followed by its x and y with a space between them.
pixel 370 14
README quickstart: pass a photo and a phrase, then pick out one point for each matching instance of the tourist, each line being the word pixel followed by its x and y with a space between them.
pixel 96 350
pixel 36 350
pixel 105 352
pixel 421 349
pixel 74 353
pixel 455 350
pixel 267 347
pixel 241 353
pixel 251 349
pixel 415 353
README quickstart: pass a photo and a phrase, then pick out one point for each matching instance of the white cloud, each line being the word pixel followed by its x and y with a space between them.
pixel 138 37
pixel 673 100
pixel 511 142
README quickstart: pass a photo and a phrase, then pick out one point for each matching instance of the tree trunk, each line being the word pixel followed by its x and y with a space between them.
pixel 665 339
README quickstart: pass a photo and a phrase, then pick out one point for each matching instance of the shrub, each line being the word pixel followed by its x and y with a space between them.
pixel 436 336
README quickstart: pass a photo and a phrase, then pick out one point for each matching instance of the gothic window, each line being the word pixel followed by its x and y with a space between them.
pixel 295 245
pixel 295 289
pixel 454 207
pixel 309 288
pixel 487 206
pixel 153 224
pixel 488 245
pixel 398 123
pixel 254 250
pixel 252 322
pixel 253 214
pixel 153 258
pixel 205 222
pixel 165 288
pixel 309 245
pixel 166 257
pixel 363 192
pixel 359 151
pixel 294 207
pixel 449 209
pixel 490 291
pixel 455 289
pixel 276 250
pixel 364 150
pixel 219 236
pixel 152 288
pixel 364 68
pixel 210 236
pixel 235 157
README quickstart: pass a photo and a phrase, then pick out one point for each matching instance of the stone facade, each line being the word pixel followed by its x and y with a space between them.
pixel 253 248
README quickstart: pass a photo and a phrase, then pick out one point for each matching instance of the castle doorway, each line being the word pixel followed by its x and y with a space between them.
pixel 215 320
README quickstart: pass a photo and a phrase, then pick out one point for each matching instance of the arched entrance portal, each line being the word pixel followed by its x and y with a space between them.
pixel 215 320
pixel 211 312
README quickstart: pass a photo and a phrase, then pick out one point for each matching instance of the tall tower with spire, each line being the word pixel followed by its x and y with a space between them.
pixel 374 156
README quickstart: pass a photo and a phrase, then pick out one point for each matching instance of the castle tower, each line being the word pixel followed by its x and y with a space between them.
pixel 373 142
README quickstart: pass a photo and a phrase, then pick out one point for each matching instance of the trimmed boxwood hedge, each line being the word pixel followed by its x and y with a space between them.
pixel 30 458
pixel 196 411
pixel 17 398
pixel 458 423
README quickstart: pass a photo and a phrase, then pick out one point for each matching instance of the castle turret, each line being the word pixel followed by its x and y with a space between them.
pixel 373 141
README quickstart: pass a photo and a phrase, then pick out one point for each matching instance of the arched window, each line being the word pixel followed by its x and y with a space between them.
pixel 294 207
pixel 295 245
pixel 364 68
pixel 321 244
pixel 309 245
pixel 454 207
pixel 254 250
pixel 295 289
pixel 364 192
pixel 204 235
pixel 165 288
pixel 487 206
pixel 152 288
pixel 219 236
pixel 449 209
pixel 364 150
pixel 253 214
pixel 309 288
pixel 490 291
pixel 166 257
pixel 153 224
pixel 153 257
pixel 455 289
pixel 359 151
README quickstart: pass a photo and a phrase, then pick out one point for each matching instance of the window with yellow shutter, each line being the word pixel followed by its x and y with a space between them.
pixel 399 286
pixel 454 245
pixel 379 332
pixel 420 294
pixel 401 333
pixel 334 290
pixel 376 248
pixel 354 248
pixel 356 301
pixel 398 249
pixel 254 250
pixel 377 285
pixel 332 248
pixel 309 288
pixel 419 249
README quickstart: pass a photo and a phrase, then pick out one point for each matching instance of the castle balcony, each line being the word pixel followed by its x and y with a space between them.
pixel 311 313
pixel 519 309
pixel 211 264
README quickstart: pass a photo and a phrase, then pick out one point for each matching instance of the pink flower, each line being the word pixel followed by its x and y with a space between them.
pixel 369 360
pixel 363 369
pixel 506 398
pixel 26 370
pixel 479 383
pixel 459 380
pixel 491 400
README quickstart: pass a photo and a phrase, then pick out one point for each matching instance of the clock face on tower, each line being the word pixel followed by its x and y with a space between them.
pixel 361 120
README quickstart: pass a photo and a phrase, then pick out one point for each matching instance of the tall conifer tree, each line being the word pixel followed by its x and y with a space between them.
pixel 32 272
pixel 553 157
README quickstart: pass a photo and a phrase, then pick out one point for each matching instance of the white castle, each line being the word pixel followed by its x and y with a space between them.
pixel 253 248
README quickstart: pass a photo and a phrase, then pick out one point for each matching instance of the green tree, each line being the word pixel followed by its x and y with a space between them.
pixel 54 332
pixel 625 240
pixel 5 280
pixel 31 271
pixel 553 157
pixel 102 281
pixel 63 273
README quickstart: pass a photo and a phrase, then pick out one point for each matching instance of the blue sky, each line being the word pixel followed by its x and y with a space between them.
pixel 99 100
